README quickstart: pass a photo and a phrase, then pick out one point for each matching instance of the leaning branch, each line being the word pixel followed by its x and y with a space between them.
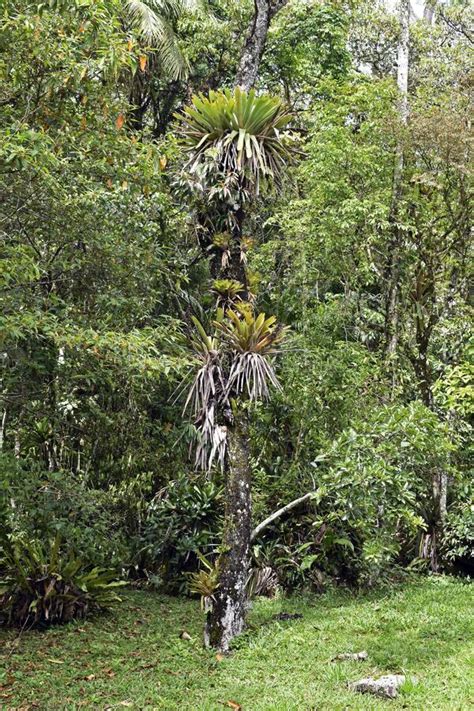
pixel 256 531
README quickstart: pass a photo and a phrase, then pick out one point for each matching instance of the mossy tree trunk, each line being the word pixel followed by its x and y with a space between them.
pixel 226 619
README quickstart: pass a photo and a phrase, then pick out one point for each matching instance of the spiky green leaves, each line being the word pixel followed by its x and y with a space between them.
pixel 227 290
pixel 235 362
pixel 241 132
pixel 246 333
pixel 41 583
pixel 252 342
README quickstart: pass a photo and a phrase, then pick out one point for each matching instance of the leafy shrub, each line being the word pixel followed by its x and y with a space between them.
pixel 458 533
pixel 373 500
pixel 40 584
pixel 39 505
pixel 182 520
pixel 377 487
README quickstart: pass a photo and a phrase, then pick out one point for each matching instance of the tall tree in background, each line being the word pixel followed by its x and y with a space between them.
pixel 392 274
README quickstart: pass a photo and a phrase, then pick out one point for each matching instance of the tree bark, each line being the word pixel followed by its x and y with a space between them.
pixel 3 428
pixel 254 46
pixel 226 619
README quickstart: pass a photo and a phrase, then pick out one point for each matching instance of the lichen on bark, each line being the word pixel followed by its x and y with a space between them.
pixel 226 619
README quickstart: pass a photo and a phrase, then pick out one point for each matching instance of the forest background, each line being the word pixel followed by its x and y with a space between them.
pixel 106 262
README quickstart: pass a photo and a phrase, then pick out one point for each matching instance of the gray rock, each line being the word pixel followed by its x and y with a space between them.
pixel 385 686
pixel 351 657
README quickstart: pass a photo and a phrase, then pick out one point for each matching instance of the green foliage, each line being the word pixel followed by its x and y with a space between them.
pixel 246 333
pixel 252 340
pixel 181 523
pixel 42 505
pixel 378 484
pixel 458 532
pixel 373 498
pixel 107 256
pixel 205 581
pixel 227 291
pixel 41 584
pixel 153 21
pixel 455 390
pixel 307 43
pixel 90 344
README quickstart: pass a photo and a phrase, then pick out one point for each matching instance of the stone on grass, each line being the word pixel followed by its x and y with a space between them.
pixel 385 686
pixel 351 657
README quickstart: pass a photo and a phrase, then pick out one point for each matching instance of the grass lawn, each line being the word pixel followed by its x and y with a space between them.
pixel 134 657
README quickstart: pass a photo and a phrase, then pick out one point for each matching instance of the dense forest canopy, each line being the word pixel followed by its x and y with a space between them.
pixel 281 212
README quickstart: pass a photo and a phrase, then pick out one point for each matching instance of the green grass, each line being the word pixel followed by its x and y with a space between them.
pixel 135 658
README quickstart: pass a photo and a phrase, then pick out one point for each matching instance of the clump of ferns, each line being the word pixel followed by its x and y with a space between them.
pixel 236 363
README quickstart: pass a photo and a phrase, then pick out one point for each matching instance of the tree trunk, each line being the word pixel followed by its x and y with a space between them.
pixel 439 478
pixel 252 52
pixel 226 619
pixel 3 428
pixel 392 271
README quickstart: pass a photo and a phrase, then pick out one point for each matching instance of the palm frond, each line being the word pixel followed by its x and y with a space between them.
pixel 152 21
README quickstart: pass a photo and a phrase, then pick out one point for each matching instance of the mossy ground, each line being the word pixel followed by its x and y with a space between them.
pixel 134 657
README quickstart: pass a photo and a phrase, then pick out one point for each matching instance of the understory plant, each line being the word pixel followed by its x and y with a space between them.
pixel 42 584
pixel 39 505
pixel 182 524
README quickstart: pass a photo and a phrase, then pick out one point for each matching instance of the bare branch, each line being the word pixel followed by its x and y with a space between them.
pixel 276 514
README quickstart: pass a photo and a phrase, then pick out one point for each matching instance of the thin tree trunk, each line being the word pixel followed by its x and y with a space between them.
pixel 226 619
pixel 3 428
pixel 392 272
pixel 428 13
pixel 439 477
pixel 254 47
